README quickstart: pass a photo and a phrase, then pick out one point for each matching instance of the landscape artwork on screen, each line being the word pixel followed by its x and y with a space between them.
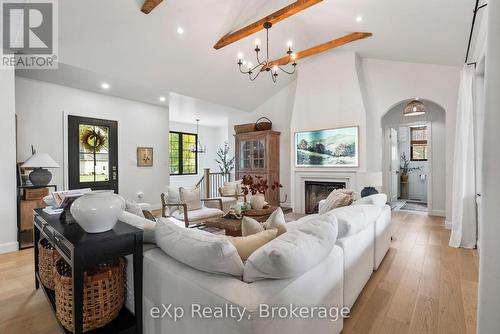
pixel 327 148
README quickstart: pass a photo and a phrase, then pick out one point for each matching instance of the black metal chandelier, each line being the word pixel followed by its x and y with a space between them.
pixel 267 65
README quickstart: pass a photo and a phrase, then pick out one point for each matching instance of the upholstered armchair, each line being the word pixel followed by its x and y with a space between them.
pixel 230 195
pixel 192 218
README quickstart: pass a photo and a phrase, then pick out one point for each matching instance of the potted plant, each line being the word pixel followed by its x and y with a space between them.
pixel 225 162
pixel 406 168
pixel 257 186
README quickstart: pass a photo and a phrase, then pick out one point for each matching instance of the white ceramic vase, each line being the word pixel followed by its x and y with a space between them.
pixel 98 211
pixel 257 201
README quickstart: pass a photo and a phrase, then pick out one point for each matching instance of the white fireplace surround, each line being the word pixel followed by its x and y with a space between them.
pixel 300 178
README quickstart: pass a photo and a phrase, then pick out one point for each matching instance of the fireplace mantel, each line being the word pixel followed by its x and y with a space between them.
pixel 300 177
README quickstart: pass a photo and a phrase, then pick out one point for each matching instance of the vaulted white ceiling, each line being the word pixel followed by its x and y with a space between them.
pixel 113 41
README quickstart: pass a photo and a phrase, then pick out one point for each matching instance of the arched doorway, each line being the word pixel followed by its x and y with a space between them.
pixel 419 143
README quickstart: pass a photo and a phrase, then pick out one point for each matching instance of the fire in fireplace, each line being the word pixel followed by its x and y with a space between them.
pixel 317 191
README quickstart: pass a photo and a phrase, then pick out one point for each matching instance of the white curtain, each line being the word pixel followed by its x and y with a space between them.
pixel 464 216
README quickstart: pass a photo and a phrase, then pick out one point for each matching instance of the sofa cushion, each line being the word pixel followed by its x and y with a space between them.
pixel 249 244
pixel 294 252
pixel 275 221
pixel 190 197
pixel 352 219
pixel 195 215
pixel 231 188
pixel 379 200
pixel 134 208
pixel 337 198
pixel 144 224
pixel 198 249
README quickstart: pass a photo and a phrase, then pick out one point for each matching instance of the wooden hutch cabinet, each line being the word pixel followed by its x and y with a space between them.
pixel 258 154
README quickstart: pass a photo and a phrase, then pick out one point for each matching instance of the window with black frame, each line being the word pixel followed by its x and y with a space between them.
pixel 182 160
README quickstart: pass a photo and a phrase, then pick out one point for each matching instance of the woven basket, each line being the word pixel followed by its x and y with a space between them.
pixel 263 124
pixel 244 128
pixel 47 257
pixel 103 294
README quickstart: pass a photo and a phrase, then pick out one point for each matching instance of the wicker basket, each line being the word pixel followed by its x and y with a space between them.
pixel 244 128
pixel 263 124
pixel 103 294
pixel 47 257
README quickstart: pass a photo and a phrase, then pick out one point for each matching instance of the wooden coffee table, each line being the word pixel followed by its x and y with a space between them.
pixel 233 226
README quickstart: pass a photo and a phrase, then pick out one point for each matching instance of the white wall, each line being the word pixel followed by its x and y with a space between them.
pixel 279 109
pixel 8 213
pixel 489 265
pixel 213 138
pixel 41 108
pixel 388 82
pixel 338 89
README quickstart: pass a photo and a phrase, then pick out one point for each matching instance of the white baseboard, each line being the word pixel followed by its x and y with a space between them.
pixel 447 224
pixel 9 247
pixel 438 213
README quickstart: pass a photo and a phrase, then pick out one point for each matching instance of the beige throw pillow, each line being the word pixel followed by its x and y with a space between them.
pixel 276 220
pixel 249 244
pixel 336 199
pixel 191 197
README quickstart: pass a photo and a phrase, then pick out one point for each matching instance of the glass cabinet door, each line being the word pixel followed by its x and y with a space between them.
pixel 259 153
pixel 245 154
pixel 252 154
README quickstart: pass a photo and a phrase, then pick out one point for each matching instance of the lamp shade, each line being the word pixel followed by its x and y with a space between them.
pixel 40 160
pixel 414 108
pixel 369 179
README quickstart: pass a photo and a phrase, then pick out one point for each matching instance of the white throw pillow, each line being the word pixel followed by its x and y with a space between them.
pixel 229 189
pixel 276 220
pixel 191 197
pixel 148 226
pixel 379 200
pixel 198 249
pixel 134 208
pixel 336 199
pixel 250 226
pixel 294 252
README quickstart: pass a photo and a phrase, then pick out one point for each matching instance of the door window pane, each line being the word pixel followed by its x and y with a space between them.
pixel 174 153
pixel 94 153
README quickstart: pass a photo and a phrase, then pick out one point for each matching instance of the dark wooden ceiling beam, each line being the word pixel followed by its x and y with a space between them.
pixel 320 48
pixel 149 5
pixel 275 17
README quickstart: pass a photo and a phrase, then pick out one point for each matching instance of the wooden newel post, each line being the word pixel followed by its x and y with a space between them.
pixel 206 180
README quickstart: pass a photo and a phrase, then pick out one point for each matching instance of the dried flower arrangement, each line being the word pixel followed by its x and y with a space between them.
pixel 256 185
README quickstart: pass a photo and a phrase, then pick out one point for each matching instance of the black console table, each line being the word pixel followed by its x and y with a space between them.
pixel 83 250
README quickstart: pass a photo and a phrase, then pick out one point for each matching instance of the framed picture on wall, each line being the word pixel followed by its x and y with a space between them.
pixel 144 157
pixel 327 148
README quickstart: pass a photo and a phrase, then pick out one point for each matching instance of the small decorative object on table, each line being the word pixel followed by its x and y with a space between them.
pixel 257 187
pixel 368 181
pixel 98 211
pixel 144 157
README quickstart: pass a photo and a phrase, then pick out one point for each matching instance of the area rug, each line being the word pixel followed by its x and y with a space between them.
pixel 414 206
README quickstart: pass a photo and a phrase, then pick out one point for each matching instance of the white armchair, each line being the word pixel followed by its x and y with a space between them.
pixel 191 218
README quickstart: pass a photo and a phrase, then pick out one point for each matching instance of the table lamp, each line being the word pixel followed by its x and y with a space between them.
pixel 40 176
pixel 368 181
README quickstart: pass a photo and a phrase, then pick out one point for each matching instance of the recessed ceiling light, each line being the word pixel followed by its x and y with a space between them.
pixel 359 18
pixel 105 85
pixel 162 99
pixel 180 31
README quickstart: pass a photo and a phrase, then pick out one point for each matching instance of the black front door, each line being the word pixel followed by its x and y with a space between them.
pixel 92 153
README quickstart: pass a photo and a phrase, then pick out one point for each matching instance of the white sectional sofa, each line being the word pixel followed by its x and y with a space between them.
pixel 362 241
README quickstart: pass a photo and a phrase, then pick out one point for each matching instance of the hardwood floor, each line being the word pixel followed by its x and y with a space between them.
pixel 422 286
